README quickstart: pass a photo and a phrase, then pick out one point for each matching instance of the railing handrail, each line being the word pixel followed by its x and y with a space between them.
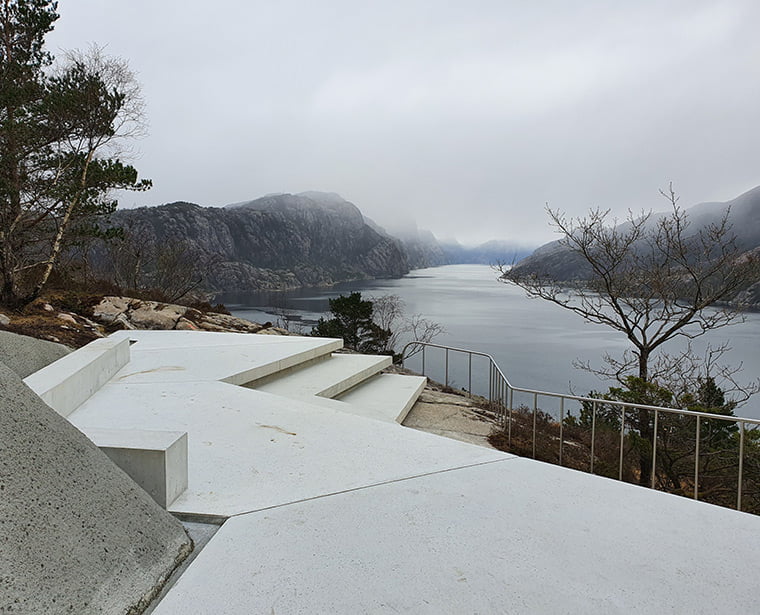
pixel 501 395
pixel 623 404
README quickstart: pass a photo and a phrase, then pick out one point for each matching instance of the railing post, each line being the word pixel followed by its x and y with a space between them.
pixel 622 437
pixel 593 435
pixel 423 360
pixel 469 375
pixel 696 461
pixel 561 427
pixel 447 367
pixel 490 381
pixel 535 411
pixel 501 394
pixel 511 394
pixel 741 468
pixel 654 448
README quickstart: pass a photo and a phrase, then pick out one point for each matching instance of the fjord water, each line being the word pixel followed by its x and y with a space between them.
pixel 533 341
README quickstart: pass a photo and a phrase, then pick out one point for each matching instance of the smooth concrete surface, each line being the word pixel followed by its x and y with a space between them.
pixel 385 397
pixel 326 378
pixel 65 384
pixel 155 460
pixel 236 358
pixel 250 450
pixel 25 355
pixel 76 534
pixel 514 536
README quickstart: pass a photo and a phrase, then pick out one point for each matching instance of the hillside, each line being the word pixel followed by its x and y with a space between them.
pixel 555 261
pixel 275 242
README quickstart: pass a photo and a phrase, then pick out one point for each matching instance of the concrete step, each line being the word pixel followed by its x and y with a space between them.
pixel 384 397
pixel 327 378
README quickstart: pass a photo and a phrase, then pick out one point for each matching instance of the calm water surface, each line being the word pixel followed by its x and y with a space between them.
pixel 534 342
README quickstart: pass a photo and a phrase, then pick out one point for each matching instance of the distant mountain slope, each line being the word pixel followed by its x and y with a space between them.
pixel 488 253
pixel 558 262
pixel 277 241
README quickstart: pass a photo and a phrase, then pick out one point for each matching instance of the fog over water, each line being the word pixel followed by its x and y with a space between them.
pixel 533 341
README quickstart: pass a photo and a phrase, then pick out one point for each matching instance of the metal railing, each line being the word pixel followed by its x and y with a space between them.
pixel 501 393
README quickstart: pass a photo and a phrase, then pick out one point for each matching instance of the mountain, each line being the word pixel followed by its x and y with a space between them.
pixel 274 242
pixel 558 262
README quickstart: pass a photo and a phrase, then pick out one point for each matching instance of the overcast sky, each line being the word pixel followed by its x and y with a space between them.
pixel 464 116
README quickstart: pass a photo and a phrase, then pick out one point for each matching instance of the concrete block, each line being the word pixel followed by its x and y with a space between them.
pixel 71 380
pixel 155 460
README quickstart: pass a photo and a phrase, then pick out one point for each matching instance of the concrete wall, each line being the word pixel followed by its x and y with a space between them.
pixel 25 355
pixel 78 536
pixel 67 383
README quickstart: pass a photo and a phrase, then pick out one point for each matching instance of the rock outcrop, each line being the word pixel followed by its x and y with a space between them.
pixel 77 535
pixel 139 314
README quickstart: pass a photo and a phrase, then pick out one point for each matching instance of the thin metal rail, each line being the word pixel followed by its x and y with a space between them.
pixel 501 401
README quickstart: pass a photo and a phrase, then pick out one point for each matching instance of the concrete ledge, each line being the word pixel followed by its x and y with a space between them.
pixel 155 460
pixel 72 380
pixel 327 378
pixel 294 360
pixel 386 397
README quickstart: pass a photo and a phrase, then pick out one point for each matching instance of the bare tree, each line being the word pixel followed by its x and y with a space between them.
pixel 390 314
pixel 653 279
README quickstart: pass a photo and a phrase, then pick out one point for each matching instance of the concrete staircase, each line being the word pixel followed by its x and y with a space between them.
pixel 350 383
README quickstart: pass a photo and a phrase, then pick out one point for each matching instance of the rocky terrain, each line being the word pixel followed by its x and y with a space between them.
pixel 75 325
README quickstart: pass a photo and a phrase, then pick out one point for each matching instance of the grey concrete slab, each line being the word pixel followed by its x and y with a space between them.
pixel 192 356
pixel 515 536
pixel 65 384
pixel 155 460
pixel 249 450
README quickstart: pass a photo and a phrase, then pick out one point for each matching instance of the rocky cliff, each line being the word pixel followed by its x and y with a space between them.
pixel 274 242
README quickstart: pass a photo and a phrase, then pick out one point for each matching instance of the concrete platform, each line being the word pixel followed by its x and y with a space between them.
pixel 385 397
pixel 250 450
pixel 328 378
pixel 201 356
pixel 327 508
pixel 514 536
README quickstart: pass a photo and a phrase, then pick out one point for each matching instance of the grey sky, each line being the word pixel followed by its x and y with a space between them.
pixel 466 116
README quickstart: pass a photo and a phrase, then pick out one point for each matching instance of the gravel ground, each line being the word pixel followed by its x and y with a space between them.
pixel 451 415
